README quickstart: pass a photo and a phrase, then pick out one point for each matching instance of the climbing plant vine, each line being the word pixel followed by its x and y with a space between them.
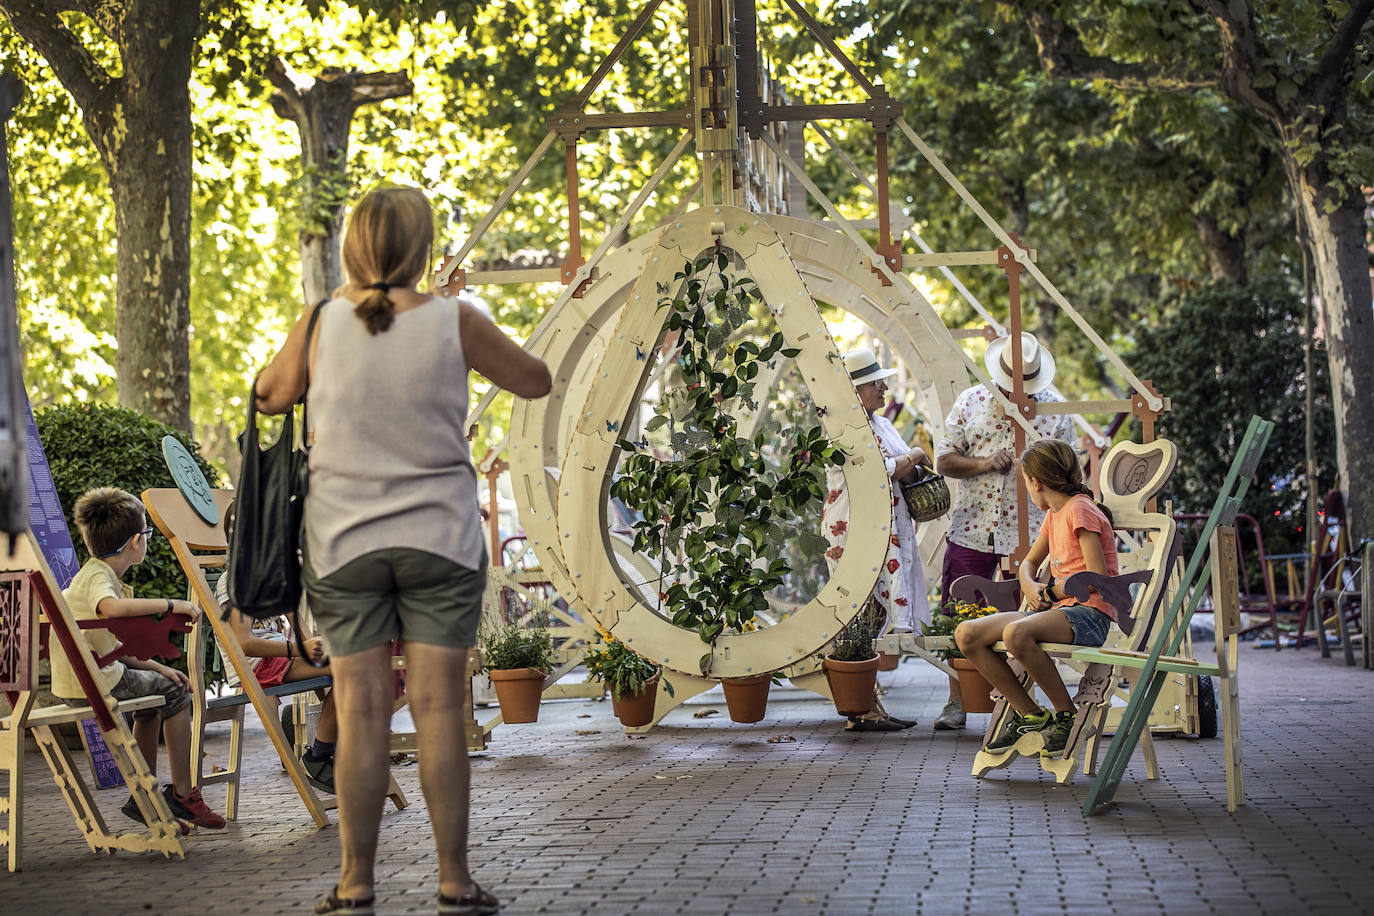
pixel 710 512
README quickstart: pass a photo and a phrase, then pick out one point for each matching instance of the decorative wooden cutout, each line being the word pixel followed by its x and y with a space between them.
pixel 613 396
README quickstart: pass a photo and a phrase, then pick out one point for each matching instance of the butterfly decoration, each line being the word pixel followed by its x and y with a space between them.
pixel 612 426
pixel 639 354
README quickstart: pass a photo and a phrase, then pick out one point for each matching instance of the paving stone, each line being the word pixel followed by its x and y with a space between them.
pixel 834 823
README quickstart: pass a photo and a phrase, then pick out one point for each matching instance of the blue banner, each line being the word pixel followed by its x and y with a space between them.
pixel 45 510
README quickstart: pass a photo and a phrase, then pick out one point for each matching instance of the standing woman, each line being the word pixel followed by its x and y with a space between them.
pixel 901 588
pixel 393 542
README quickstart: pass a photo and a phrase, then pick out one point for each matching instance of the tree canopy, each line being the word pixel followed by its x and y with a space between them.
pixel 1149 204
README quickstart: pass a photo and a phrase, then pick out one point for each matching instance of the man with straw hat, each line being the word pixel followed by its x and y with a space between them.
pixel 901 588
pixel 977 450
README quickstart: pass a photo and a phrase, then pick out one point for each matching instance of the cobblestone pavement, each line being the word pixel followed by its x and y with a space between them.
pixel 703 817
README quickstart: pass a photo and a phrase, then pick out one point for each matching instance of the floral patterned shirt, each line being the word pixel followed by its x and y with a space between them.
pixel 984 511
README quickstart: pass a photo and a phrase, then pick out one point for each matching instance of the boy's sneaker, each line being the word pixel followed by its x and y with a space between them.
pixel 1057 735
pixel 193 808
pixel 130 810
pixel 319 773
pixel 1014 727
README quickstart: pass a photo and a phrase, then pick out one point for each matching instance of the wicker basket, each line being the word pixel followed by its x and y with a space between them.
pixel 927 498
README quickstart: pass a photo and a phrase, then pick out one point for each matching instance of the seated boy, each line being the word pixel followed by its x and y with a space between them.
pixel 115 530
pixel 273 658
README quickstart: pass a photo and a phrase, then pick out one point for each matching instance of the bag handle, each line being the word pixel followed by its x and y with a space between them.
pixel 251 433
pixel 305 359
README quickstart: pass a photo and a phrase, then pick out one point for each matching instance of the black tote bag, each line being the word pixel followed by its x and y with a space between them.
pixel 264 548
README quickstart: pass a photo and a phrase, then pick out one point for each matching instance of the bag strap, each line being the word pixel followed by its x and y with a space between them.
pixel 305 358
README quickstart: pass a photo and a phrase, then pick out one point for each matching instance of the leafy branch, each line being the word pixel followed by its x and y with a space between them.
pixel 714 508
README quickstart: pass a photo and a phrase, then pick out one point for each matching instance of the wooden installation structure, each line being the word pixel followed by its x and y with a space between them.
pixel 604 343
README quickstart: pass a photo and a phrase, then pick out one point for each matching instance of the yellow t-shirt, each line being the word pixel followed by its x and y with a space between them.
pixel 95 582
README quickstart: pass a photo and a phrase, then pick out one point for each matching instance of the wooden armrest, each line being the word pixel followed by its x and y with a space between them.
pixel 1115 589
pixel 1132 659
pixel 1003 594
pixel 141 637
pixel 65 712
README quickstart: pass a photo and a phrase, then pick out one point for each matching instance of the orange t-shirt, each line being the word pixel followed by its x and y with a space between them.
pixel 1066 555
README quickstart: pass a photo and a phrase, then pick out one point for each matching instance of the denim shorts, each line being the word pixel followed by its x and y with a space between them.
pixel 140 682
pixel 1089 624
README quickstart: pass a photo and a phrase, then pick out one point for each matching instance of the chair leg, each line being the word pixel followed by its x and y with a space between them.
pixel 1230 710
pixel 1147 749
pixel 235 766
pixel 12 803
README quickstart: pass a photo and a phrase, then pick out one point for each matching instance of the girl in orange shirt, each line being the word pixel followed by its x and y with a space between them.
pixel 1076 536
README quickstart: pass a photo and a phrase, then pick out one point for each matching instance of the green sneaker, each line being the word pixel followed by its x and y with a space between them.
pixel 1057 734
pixel 1014 727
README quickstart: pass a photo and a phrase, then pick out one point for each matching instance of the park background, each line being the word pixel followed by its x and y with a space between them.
pixel 1110 137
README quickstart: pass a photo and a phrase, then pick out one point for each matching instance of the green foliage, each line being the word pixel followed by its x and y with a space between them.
pixel 620 668
pixel 1227 353
pixel 96 446
pixel 854 643
pixel 510 645
pixel 709 510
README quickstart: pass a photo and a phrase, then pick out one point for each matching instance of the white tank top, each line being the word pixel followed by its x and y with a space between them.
pixel 390 464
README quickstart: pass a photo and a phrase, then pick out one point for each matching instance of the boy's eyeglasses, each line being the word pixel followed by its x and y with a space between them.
pixel 146 532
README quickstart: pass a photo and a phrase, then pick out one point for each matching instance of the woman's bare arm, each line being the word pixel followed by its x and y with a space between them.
pixel 283 381
pixel 500 359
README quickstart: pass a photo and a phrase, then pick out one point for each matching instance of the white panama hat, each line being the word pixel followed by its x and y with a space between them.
pixel 1037 365
pixel 863 367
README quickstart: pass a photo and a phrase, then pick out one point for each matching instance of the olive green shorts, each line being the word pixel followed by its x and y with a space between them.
pixel 397 592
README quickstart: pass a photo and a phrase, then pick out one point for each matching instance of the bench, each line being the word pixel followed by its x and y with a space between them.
pixel 25 588
pixel 1131 476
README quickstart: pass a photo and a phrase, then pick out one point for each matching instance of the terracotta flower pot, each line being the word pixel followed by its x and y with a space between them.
pixel 637 710
pixel 974 689
pixel 746 697
pixel 851 684
pixel 888 661
pixel 518 691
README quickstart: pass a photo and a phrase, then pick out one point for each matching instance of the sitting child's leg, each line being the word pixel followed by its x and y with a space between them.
pixel 1023 639
pixel 975 639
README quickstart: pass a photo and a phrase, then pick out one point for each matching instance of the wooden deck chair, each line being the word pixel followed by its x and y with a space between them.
pixel 1226 608
pixel 1131 476
pixel 26 587
pixel 198 547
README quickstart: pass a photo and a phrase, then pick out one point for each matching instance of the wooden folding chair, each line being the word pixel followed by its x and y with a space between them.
pixel 200 546
pixel 1131 476
pixel 26 587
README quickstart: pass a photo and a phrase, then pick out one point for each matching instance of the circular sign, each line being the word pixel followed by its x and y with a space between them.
pixel 189 480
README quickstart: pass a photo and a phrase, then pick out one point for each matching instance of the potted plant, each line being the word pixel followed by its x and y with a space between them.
pixel 974 689
pixel 518 659
pixel 632 680
pixel 712 512
pixel 851 667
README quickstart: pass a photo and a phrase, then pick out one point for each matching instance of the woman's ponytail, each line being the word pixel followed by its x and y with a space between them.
pixel 377 311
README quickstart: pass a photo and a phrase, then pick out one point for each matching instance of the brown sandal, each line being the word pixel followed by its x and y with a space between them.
pixel 477 903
